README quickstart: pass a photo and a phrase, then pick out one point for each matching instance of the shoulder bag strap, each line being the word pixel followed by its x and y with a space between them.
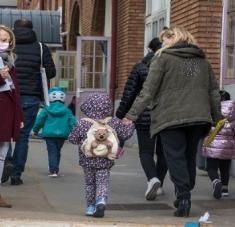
pixel 41 53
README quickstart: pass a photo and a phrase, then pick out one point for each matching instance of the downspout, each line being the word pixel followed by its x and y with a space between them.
pixel 113 50
pixel 63 24
pixel 223 66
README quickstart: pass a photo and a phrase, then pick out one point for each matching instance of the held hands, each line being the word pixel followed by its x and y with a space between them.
pixel 4 72
pixel 21 124
pixel 126 121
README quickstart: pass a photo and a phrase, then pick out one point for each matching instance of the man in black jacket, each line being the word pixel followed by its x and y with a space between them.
pixel 27 65
pixel 154 171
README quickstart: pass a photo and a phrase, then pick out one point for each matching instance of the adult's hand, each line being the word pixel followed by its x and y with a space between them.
pixel 126 121
pixel 21 124
pixel 4 72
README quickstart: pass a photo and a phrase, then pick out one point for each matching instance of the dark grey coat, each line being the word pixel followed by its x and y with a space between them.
pixel 181 88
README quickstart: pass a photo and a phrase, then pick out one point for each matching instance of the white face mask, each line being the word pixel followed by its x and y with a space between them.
pixel 3 46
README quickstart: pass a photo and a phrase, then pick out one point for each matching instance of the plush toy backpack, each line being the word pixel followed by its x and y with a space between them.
pixel 101 141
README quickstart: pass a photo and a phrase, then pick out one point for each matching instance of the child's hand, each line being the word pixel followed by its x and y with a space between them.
pixel 21 124
pixel 34 134
pixel 126 121
pixel 4 72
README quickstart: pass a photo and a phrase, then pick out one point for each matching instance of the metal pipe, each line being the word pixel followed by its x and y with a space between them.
pixel 113 50
pixel 223 66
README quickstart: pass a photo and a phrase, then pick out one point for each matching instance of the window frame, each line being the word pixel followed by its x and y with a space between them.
pixel 226 44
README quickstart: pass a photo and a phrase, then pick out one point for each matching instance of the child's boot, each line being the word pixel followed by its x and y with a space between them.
pixel 90 210
pixel 99 207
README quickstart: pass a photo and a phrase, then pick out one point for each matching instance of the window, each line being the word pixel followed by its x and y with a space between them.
pixel 157 16
pixel 148 7
pixel 228 43
pixel 66 69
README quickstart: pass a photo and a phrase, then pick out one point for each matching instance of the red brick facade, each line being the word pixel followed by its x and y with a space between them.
pixel 130 38
pixel 203 19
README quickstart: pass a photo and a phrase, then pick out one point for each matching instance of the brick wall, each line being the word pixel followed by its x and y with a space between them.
pixel 203 19
pixel 130 39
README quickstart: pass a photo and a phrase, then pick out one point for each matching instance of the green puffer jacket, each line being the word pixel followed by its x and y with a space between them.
pixel 55 120
pixel 181 88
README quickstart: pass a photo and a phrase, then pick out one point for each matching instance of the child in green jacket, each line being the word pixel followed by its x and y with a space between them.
pixel 56 122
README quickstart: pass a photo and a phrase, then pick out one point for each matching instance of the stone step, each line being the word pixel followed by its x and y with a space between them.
pixel 98 223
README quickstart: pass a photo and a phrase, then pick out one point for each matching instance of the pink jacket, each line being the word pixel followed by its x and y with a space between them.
pixel 223 146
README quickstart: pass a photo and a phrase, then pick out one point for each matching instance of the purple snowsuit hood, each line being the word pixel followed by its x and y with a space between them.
pixel 97 106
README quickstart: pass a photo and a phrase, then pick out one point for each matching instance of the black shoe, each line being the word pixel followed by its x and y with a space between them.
pixel 99 211
pixel 217 189
pixel 176 203
pixel 183 208
pixel 16 181
pixel 225 192
pixel 7 171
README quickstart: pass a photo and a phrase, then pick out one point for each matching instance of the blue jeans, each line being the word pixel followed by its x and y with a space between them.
pixel 54 146
pixel 30 106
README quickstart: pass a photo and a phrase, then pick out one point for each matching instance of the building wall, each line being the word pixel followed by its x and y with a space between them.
pixel 130 39
pixel 130 32
pixel 203 19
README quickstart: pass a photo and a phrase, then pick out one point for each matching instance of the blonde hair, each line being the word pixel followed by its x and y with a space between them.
pixel 12 42
pixel 178 35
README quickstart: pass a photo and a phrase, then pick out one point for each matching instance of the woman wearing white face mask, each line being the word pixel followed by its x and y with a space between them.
pixel 11 119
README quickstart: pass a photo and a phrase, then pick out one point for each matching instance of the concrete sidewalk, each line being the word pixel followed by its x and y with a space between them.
pixel 43 201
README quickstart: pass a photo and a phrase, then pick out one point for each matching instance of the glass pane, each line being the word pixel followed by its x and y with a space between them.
pixel 72 61
pixel 230 57
pixel 101 48
pixel 87 47
pixel 230 30
pixel 161 23
pixel 100 80
pixel 232 5
pixel 155 29
pixel 72 85
pixel 87 63
pixel 100 64
pixel 87 80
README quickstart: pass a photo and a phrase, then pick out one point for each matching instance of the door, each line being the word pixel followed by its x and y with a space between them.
pixel 93 67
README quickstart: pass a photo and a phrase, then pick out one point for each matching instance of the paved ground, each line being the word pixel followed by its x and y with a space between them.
pixel 42 199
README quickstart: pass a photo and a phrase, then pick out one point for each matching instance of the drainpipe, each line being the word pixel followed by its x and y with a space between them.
pixel 63 25
pixel 224 26
pixel 113 50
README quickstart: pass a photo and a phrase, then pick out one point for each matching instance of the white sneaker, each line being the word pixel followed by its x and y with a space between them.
pixel 53 175
pixel 160 191
pixel 153 185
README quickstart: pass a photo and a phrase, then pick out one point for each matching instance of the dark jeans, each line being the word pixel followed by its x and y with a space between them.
pixel 54 146
pixel 147 148
pixel 213 164
pixel 180 147
pixel 30 106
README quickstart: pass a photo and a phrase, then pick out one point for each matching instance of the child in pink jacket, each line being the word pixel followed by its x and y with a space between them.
pixel 222 149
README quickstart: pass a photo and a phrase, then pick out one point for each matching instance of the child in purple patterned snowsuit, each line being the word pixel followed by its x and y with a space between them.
pixel 97 169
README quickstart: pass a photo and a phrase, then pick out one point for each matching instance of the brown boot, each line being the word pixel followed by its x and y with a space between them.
pixel 4 204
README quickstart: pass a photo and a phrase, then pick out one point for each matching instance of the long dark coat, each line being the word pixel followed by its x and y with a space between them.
pixel 11 113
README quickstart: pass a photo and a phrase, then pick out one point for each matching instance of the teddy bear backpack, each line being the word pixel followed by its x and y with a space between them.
pixel 101 141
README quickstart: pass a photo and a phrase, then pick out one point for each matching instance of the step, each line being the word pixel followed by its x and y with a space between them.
pixel 98 223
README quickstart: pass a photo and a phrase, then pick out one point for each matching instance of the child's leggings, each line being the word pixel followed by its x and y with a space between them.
pixel 4 147
pixel 96 184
